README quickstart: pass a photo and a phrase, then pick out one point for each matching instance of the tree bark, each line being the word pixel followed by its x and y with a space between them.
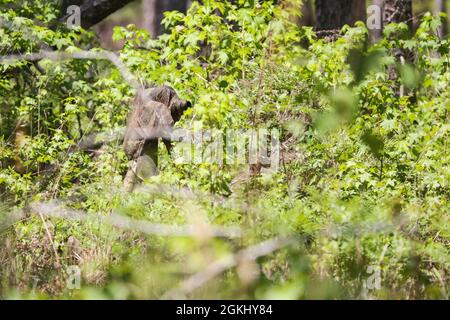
pixel 153 13
pixel 335 14
pixel 441 6
pixel 359 10
pixel 377 31
pixel 93 11
pixel 307 18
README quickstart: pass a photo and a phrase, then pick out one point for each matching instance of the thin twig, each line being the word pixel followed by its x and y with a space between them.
pixel 50 238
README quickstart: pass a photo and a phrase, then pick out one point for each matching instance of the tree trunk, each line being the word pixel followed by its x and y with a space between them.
pixel 376 20
pixel 335 14
pixel 441 6
pixel 359 10
pixel 153 13
pixel 307 18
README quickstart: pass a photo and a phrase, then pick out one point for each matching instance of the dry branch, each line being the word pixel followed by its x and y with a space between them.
pixel 84 55
pixel 94 11
pixel 56 210
pixel 249 254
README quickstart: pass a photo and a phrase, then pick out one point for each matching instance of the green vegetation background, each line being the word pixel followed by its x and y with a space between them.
pixel 363 182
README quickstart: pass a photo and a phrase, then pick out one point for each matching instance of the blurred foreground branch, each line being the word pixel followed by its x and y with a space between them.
pixel 56 210
pixel 86 55
pixel 249 254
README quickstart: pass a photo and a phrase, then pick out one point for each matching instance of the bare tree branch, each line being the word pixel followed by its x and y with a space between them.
pixel 94 11
pixel 249 254
pixel 87 55
pixel 54 209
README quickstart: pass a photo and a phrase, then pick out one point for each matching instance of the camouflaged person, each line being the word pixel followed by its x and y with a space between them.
pixel 155 112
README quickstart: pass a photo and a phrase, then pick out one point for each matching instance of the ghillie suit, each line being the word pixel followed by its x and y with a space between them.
pixel 155 112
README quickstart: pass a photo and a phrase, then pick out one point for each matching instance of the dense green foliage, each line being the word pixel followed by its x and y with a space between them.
pixel 362 185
